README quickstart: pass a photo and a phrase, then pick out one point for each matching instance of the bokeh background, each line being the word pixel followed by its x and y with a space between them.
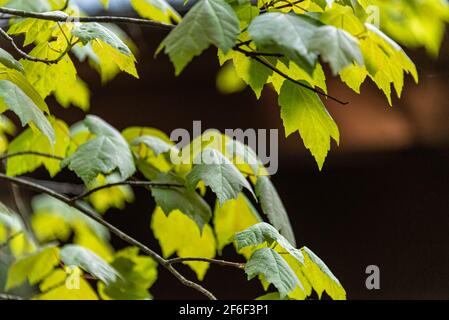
pixel 381 199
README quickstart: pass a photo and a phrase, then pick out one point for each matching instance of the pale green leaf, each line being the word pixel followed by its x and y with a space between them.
pixel 337 47
pixel 106 153
pixel 208 22
pixel 271 267
pixel 138 273
pixel 218 173
pixel 303 111
pixel 178 234
pixel 287 34
pixel 30 141
pixel 12 97
pixel 157 10
pixel 33 267
pixel 74 255
pixel 273 207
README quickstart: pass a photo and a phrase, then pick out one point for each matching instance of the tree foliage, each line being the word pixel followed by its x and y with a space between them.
pixel 277 44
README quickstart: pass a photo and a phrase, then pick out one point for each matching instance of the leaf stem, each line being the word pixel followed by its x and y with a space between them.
pixel 255 56
pixel 237 265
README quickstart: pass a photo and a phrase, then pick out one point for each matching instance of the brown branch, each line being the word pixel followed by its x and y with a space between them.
pixel 150 184
pixel 122 235
pixel 30 153
pixel 102 19
pixel 237 265
pixel 26 56
pixel 255 56
pixel 4 296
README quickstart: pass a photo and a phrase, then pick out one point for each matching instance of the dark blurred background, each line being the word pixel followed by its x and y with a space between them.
pixel 381 199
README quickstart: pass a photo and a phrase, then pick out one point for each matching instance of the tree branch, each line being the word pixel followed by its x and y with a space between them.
pixel 30 153
pixel 237 265
pixel 102 19
pixel 91 214
pixel 150 184
pixel 26 56
pixel 255 56
pixel 4 296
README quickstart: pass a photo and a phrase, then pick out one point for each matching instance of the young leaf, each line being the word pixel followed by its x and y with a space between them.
pixel 113 197
pixel 38 142
pixel 54 287
pixel 321 278
pixel 219 174
pixel 188 202
pixel 287 34
pixel 8 61
pixel 337 47
pixel 303 111
pixel 33 267
pixel 273 207
pixel 271 267
pixel 264 233
pixel 156 144
pixel 209 22
pixel 234 216
pixel 138 275
pixel 107 45
pixel 252 72
pixel 177 233
pixel 15 99
pixel 74 255
pixel 107 152
pixel 157 10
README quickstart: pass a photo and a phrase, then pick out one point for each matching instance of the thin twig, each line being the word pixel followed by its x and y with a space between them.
pixel 125 237
pixel 150 184
pixel 237 265
pixel 30 153
pixel 4 296
pixel 26 56
pixel 102 19
pixel 253 55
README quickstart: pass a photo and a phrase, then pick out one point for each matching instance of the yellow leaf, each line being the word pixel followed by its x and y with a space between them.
pixel 179 234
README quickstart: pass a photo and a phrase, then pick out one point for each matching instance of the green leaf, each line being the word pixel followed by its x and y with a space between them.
pixel 209 22
pixel 88 32
pixel 234 216
pixel 74 255
pixel 106 153
pixel 337 47
pixel 252 72
pixel 262 233
pixel 321 278
pixel 33 267
pixel 157 10
pixel 14 98
pixel 113 197
pixel 287 34
pixel 354 75
pixel 156 144
pixel 54 220
pixel 54 287
pixel 38 142
pixel 273 207
pixel 178 234
pixel 8 61
pixel 138 273
pixel 188 202
pixel 219 174
pixel 271 267
pixel 303 111
pixel 47 78
pixel 106 45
